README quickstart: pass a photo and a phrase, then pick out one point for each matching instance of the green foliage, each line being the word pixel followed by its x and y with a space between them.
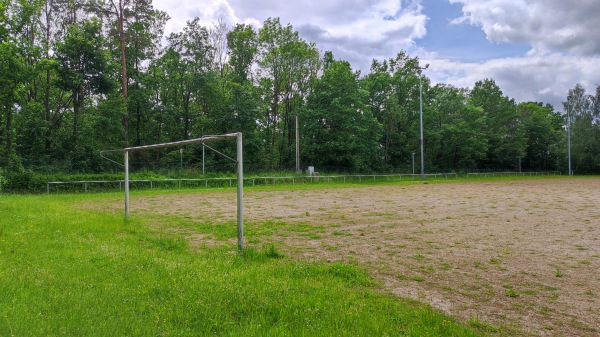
pixel 393 98
pixel 242 47
pixel 84 61
pixel 30 182
pixel 23 182
pixel 287 67
pixel 456 134
pixel 271 252
pixel 340 134
pixel 13 76
pixel 584 112
pixel 505 135
pixel 544 131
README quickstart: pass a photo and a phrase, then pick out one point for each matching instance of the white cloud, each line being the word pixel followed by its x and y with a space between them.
pixel 563 36
pixel 208 11
pixel 546 25
pixel 529 78
pixel 378 34
pixel 355 30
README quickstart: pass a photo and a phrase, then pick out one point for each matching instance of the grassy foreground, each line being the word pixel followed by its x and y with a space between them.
pixel 70 272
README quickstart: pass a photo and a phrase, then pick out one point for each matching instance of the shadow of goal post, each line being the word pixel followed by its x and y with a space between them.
pixel 240 172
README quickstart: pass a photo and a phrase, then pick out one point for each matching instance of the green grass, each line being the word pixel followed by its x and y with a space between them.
pixel 558 273
pixel 69 272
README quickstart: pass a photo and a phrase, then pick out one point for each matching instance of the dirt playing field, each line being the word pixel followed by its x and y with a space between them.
pixel 522 255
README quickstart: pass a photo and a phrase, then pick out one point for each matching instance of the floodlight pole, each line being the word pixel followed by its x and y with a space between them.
pixel 240 192
pixel 421 120
pixel 297 146
pixel 569 136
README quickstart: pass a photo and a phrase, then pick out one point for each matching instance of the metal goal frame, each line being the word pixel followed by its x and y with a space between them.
pixel 203 139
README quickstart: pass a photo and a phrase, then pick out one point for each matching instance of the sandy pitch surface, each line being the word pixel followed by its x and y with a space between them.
pixel 522 255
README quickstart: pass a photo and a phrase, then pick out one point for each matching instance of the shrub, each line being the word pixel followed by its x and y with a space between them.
pixel 25 181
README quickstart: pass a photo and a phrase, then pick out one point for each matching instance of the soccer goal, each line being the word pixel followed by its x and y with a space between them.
pixel 240 172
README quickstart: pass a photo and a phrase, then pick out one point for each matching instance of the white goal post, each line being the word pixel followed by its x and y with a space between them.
pixel 240 173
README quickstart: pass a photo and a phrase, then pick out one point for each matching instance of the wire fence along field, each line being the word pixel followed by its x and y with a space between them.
pixel 188 183
pixel 145 184
pixel 506 174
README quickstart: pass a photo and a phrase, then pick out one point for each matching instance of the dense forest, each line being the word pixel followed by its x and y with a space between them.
pixel 80 76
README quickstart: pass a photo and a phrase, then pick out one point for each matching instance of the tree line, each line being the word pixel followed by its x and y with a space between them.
pixel 80 76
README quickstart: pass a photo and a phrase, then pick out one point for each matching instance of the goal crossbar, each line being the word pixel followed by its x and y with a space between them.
pixel 240 172
pixel 183 142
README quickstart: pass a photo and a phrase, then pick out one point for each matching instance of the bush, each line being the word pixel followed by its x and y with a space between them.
pixel 25 181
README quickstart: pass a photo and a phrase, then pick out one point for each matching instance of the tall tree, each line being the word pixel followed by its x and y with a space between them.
pixel 11 82
pixel 393 87
pixel 286 64
pixel 596 105
pixel 456 130
pixel 217 37
pixel 244 104
pixel 339 133
pixel 17 61
pixel 84 67
pixel 122 13
pixel 40 117
pixel 242 48
pixel 190 93
pixel 143 36
pixel 543 128
pixel 585 130
pixel 504 128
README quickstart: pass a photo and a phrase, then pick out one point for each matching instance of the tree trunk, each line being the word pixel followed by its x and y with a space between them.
pixel 186 114
pixel 47 113
pixel 138 112
pixel 76 103
pixel 8 145
pixel 120 21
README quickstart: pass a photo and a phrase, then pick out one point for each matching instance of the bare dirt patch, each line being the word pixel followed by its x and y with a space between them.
pixel 521 255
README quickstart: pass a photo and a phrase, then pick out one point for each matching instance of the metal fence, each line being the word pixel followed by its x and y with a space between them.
pixel 112 185
pixel 507 174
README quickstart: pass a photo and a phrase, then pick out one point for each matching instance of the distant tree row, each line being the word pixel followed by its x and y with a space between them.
pixel 77 77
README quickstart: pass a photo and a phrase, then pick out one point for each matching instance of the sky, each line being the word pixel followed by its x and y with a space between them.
pixel 535 50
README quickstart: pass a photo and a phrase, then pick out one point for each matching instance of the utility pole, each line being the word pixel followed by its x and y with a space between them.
pixel 421 121
pixel 569 134
pixel 297 145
